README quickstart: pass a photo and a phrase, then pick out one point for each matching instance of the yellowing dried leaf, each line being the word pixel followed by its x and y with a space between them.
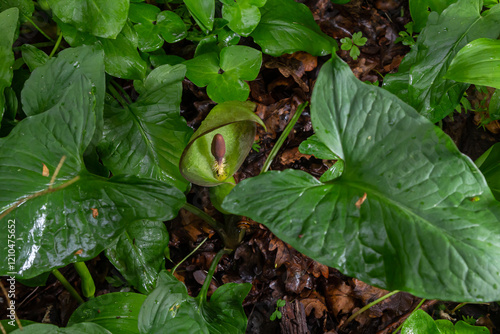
pixel 45 171
pixel 95 212
pixel 360 201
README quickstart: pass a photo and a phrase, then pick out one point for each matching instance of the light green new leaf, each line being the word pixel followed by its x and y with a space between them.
pixel 148 136
pixel 477 63
pixel 81 328
pixel 404 214
pixel 420 9
pixel 203 13
pixel 121 57
pixel 287 26
pixel 8 25
pixel 117 312
pixel 80 214
pixel 101 18
pixel 139 253
pixel 422 323
pixel 420 80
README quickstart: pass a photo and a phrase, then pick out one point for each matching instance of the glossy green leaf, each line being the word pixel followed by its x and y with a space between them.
pixel 121 57
pixel 420 80
pixel 242 16
pixel 287 26
pixel 237 63
pixel 148 136
pixel 419 323
pixel 101 18
pixel 139 253
pixel 489 164
pixel 26 7
pixel 236 122
pixel 203 13
pixel 420 9
pixel 422 323
pixel 152 31
pixel 170 306
pixel 477 63
pixel 33 57
pixel 8 25
pixel 314 146
pixel 143 12
pixel 80 214
pixel 11 325
pixel 406 194
pixel 48 84
pixel 82 328
pixel 118 312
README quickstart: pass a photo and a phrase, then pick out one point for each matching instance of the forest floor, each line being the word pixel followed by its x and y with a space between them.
pixel 318 299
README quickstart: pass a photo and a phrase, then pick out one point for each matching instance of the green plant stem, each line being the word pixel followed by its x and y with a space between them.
pixel 123 92
pixel 283 137
pixel 88 286
pixel 458 307
pixel 67 285
pixel 206 284
pixel 58 42
pixel 187 256
pixel 366 307
pixel 117 96
pixel 414 310
pixel 38 28
pixel 207 218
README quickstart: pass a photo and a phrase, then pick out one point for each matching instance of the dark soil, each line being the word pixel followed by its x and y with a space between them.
pixel 319 299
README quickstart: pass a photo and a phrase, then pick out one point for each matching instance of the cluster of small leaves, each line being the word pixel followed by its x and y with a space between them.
pixel 407 37
pixel 277 312
pixel 352 44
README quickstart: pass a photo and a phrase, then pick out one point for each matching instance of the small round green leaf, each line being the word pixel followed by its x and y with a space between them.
pixel 241 61
pixel 170 26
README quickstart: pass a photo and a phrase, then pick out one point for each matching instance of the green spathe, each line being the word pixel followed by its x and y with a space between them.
pixel 406 195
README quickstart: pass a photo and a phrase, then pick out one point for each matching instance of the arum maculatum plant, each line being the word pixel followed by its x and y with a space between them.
pixel 215 152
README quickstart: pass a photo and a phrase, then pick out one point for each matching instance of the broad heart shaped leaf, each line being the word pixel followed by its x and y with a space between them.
pixel 147 137
pixel 81 328
pixel 242 16
pixel 420 10
pixel 139 254
pixel 287 26
pixel 81 214
pixel 118 312
pixel 477 63
pixel 203 13
pixel 404 214
pixel 101 18
pixel 236 122
pixel 48 84
pixel 170 306
pixel 8 24
pixel 121 57
pixel 420 80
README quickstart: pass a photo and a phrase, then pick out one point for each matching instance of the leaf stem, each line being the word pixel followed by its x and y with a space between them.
pixel 117 96
pixel 58 42
pixel 56 172
pixel 283 137
pixel 38 28
pixel 207 218
pixel 187 256
pixel 88 285
pixel 202 296
pixel 123 92
pixel 366 307
pixel 414 310
pixel 67 285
